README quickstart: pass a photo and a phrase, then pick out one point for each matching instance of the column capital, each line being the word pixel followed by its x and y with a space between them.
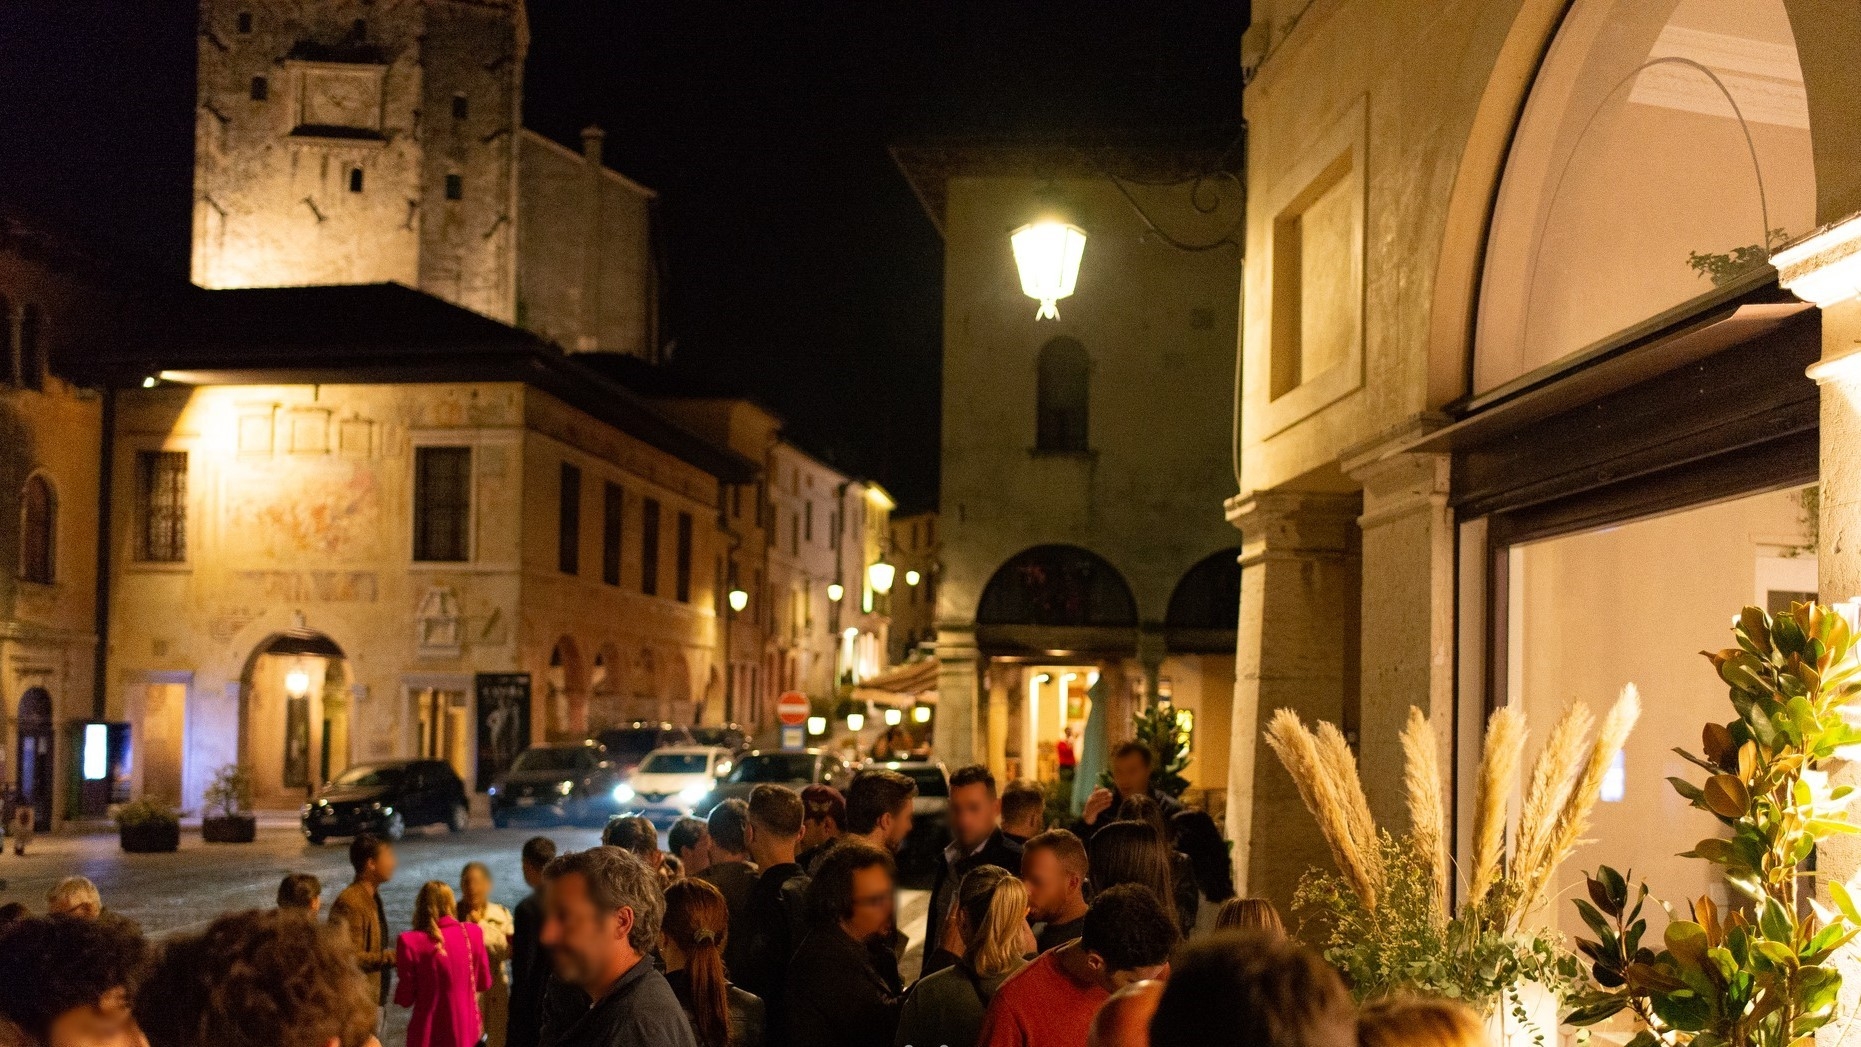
pixel 1402 484
pixel 1293 524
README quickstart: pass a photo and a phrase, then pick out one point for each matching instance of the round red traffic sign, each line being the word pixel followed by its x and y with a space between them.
pixel 792 708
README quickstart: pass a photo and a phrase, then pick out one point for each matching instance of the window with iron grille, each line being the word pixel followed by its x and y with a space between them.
pixel 569 522
pixel 683 585
pixel 649 547
pixel 613 500
pixel 161 506
pixel 442 504
pixel 39 524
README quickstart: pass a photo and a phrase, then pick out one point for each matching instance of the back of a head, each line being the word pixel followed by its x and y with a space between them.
pixel 538 851
pixel 1067 849
pixel 776 810
pixel 726 823
pixel 698 922
pixel 875 794
pixel 1131 852
pixel 820 802
pixel 1419 1021
pixel 1143 808
pixel 1255 915
pixel 1272 992
pixel 1022 803
pixel 74 895
pixel 686 833
pixel 630 834
pixel 50 965
pixel 299 891
pixel 257 979
pixel 993 902
pixel 830 893
pixel 1130 928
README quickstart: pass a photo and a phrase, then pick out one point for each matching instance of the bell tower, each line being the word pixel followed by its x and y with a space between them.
pixel 360 141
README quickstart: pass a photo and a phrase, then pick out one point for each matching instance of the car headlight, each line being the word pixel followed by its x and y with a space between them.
pixel 564 788
pixel 375 807
pixel 691 794
pixel 492 791
pixel 623 793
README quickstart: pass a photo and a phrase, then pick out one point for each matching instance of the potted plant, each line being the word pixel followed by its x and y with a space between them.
pixel 225 817
pixel 148 826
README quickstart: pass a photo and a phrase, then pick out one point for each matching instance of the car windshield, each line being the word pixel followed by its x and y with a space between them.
pixel 931 781
pixel 370 777
pixel 676 763
pixel 547 760
pixel 775 767
pixel 634 741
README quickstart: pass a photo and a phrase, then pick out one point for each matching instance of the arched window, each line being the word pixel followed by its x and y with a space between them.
pixel 38 514
pixel 1057 585
pixel 1064 387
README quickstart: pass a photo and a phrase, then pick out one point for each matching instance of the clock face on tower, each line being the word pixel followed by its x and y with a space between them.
pixel 342 96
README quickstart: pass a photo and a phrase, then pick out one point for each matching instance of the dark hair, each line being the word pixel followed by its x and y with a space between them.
pixel 13 912
pixel 726 824
pixel 617 879
pixel 830 893
pixel 50 965
pixel 1134 747
pixel 299 891
pixel 974 774
pixel 1197 837
pixel 1065 847
pixel 631 833
pixel 875 794
pixel 538 851
pixel 821 802
pixel 685 833
pixel 365 848
pixel 1142 807
pixel 257 978
pixel 1275 992
pixel 1130 928
pixel 776 810
pixel 698 922
pixel 1022 799
pixel 1129 852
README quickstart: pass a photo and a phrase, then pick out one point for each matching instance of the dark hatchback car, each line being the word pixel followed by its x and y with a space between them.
pixel 559 783
pixel 796 770
pixel 627 746
pixel 388 799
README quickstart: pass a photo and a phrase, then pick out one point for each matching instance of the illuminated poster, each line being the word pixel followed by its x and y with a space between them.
pixel 503 722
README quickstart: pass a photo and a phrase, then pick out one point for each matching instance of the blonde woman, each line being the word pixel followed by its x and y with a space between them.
pixel 440 967
pixel 498 927
pixel 991 919
pixel 1250 914
pixel 1418 1021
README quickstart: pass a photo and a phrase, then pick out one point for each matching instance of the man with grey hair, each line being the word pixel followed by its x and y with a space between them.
pixel 601 912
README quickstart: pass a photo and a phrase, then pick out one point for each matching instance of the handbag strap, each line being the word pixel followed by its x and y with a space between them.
pixel 471 965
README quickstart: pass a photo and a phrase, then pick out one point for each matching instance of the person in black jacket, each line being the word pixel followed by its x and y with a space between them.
pixel 1131 765
pixel 529 966
pixel 975 840
pixel 776 917
pixel 843 988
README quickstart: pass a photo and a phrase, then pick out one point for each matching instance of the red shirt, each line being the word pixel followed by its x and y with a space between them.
pixel 1041 1007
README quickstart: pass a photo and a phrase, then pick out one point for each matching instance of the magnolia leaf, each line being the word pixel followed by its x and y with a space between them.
pixel 1685 1012
pixel 1843 901
pixel 1775 922
pixel 1604 932
pixel 1716 743
pixel 1726 796
pixel 1754 625
pixel 1592 1012
pixel 1777 953
pixel 1687 941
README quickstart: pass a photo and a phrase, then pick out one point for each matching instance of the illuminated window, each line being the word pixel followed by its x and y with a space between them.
pixel 38 514
pixel 261 89
pixel 569 521
pixel 1063 388
pixel 455 187
pixel 649 547
pixel 442 504
pixel 683 580
pixel 161 506
pixel 355 179
pixel 613 500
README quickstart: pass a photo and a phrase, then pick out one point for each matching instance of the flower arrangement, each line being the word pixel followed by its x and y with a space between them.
pixel 1385 919
pixel 1759 973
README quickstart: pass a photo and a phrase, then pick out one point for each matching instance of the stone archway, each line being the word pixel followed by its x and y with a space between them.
pixel 36 754
pixel 294 715
pixel 567 702
pixel 607 689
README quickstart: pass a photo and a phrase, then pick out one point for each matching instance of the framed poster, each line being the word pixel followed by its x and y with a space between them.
pixel 503 722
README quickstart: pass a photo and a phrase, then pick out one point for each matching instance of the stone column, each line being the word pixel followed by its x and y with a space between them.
pixel 958 690
pixel 1408 618
pixel 995 744
pixel 1296 648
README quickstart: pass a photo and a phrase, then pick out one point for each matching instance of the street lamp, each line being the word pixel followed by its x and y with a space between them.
pixel 835 591
pixel 1047 253
pixel 921 714
pixel 739 600
pixel 913 577
pixel 817 725
pixel 893 717
pixel 856 722
pixel 297 683
pixel 880 574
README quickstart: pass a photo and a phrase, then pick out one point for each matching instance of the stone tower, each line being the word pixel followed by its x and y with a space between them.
pixel 360 141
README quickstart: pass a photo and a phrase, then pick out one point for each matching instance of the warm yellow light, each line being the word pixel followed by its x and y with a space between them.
pixel 880 575
pixel 921 714
pixel 894 717
pixel 1047 253
pixel 835 591
pixel 297 683
pixel 913 577
pixel 739 599
pixel 817 725
pixel 855 721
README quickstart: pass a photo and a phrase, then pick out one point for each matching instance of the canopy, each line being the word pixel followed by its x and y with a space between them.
pixel 914 683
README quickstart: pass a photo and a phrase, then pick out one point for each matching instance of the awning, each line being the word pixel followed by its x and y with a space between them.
pixel 914 683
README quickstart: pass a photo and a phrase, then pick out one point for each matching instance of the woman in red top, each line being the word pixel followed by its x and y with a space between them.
pixel 442 968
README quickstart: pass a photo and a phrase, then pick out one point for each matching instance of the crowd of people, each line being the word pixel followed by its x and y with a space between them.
pixel 773 922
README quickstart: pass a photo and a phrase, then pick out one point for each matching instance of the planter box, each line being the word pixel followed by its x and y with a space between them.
pixel 232 828
pixel 150 838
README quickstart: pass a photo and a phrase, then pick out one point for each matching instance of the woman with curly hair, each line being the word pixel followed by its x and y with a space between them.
pixel 691 940
pixel 442 967
pixel 64 979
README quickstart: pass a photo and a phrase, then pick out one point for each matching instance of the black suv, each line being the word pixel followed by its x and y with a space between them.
pixel 560 783
pixel 388 799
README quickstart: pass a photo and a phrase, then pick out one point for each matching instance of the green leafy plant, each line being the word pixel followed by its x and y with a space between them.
pixel 230 792
pixel 1759 974
pixel 1165 729
pixel 145 811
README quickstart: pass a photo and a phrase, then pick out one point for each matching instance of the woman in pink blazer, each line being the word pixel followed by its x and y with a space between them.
pixel 440 968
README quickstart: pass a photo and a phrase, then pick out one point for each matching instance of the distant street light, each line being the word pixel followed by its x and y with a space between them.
pixel 817 725
pixel 297 683
pixel 880 574
pixel 739 600
pixel 913 577
pixel 1047 252
pixel 921 714
pixel 835 591
pixel 893 717
pixel 855 722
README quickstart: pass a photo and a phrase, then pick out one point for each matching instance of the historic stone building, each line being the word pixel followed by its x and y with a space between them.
pixel 1526 413
pixel 1077 452
pixel 914 593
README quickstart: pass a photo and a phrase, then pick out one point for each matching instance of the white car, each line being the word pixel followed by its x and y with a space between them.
pixel 670 782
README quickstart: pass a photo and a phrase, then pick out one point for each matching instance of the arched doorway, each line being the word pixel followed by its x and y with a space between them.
pixel 1205 606
pixel 679 707
pixel 606 689
pixel 1057 585
pixel 645 686
pixel 568 692
pixel 294 715
pixel 36 757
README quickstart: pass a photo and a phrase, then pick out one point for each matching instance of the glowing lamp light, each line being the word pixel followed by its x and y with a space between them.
pixel 297 683
pixel 880 575
pixel 856 722
pixel 1047 253
pixel 739 599
pixel 894 717
pixel 921 714
pixel 817 725
pixel 835 591
pixel 96 752
pixel 148 382
pixel 913 577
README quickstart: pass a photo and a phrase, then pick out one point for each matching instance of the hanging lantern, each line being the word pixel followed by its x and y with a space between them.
pixel 739 600
pixel 1047 252
pixel 880 574
pixel 835 591
pixel 913 577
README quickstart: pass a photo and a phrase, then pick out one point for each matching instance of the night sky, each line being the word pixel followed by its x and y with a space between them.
pixel 800 268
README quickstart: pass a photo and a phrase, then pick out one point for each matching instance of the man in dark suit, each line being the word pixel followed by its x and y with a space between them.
pixel 529 965
pixel 976 840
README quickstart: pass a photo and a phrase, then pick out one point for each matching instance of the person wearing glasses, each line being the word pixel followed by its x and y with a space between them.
pixel 843 986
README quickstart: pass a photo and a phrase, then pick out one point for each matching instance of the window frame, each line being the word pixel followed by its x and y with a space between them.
pixel 46 532
pixel 569 519
pixel 468 523
pixel 649 547
pixel 613 530
pixel 147 471
pixel 683 540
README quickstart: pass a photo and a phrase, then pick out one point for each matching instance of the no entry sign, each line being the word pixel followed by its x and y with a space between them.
pixel 792 708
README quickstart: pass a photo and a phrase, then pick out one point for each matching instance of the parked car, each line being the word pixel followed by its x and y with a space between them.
pixel 559 783
pixel 725 736
pixel 388 798
pixel 627 746
pixel 670 783
pixel 796 770
pixel 930 811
